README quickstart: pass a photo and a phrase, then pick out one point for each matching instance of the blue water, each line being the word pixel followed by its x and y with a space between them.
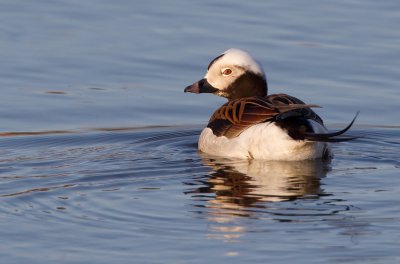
pixel 98 158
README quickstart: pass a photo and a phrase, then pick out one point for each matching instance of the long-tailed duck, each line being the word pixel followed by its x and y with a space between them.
pixel 254 125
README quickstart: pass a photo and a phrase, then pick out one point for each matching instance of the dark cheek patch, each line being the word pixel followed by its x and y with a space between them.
pixel 247 85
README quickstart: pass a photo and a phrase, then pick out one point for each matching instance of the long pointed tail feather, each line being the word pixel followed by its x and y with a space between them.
pixel 332 137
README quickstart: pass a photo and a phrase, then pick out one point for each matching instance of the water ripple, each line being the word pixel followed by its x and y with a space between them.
pixel 144 182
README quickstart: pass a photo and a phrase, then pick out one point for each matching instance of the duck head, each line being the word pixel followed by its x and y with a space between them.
pixel 234 74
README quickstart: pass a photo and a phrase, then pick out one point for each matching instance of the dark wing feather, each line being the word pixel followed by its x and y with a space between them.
pixel 288 112
pixel 284 99
pixel 297 125
pixel 232 118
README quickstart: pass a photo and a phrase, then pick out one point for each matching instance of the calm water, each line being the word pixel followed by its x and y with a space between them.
pixel 98 159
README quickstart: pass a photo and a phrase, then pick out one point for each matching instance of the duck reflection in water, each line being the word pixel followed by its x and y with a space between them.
pixel 248 188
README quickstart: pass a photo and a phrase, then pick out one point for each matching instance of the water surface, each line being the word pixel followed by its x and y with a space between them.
pixel 98 158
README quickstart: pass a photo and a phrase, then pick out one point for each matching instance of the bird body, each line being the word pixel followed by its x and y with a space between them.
pixel 264 141
pixel 254 125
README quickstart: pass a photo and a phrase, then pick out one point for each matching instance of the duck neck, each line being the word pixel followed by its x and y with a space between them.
pixel 247 85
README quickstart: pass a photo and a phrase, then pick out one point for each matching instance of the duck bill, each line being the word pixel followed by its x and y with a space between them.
pixel 202 86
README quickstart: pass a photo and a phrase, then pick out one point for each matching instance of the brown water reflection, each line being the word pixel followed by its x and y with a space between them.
pixel 249 188
pixel 82 130
pixel 246 182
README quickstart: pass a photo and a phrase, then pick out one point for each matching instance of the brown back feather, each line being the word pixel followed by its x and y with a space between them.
pixel 232 118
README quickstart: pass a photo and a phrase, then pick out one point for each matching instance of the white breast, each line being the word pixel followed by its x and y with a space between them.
pixel 264 141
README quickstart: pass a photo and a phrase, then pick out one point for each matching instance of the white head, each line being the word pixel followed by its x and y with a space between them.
pixel 233 74
pixel 238 58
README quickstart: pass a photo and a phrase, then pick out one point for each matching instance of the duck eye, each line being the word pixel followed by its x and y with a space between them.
pixel 226 71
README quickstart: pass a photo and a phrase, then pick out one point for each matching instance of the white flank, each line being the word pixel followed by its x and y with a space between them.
pixel 264 141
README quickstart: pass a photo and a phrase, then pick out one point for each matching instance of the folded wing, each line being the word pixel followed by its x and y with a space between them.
pixel 290 113
pixel 232 118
